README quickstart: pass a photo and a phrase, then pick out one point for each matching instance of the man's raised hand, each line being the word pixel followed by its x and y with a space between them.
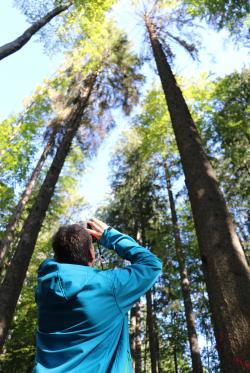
pixel 97 228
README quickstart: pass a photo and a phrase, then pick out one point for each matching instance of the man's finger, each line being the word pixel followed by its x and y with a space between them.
pixel 93 233
pixel 94 225
pixel 100 223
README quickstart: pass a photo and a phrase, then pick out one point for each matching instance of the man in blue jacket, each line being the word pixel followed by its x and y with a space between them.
pixel 83 311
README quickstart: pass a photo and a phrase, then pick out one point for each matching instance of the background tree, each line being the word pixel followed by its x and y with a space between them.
pixel 65 207
pixel 220 248
pixel 154 128
pixel 221 109
pixel 229 14
pixel 119 57
pixel 131 211
pixel 43 106
pixel 18 43
pixel 133 203
pixel 19 142
pixel 63 12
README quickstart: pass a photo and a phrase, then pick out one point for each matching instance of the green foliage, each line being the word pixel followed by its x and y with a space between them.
pixel 69 26
pixel 6 203
pixel 232 113
pixel 19 143
pixel 152 124
pixel 107 51
pixel 230 118
pixel 135 204
pixel 85 16
pixel 222 113
pixel 20 347
pixel 174 27
pixel 66 207
pixel 120 78
pixel 231 14
pixel 17 135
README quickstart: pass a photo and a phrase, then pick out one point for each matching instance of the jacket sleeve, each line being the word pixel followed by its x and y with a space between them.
pixel 131 282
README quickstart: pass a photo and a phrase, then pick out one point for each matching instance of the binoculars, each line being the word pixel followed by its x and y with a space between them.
pixel 88 226
pixel 93 238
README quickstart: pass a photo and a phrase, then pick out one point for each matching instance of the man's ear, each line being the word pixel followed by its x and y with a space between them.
pixel 92 252
pixel 91 256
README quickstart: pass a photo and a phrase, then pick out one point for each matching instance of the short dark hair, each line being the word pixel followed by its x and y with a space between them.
pixel 71 244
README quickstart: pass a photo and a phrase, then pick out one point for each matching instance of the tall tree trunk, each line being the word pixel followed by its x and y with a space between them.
pixel 158 349
pixel 132 328
pixel 151 333
pixel 175 361
pixel 190 316
pixel 150 322
pixel 225 267
pixel 135 337
pixel 208 354
pixel 18 43
pixel 145 348
pixel 12 285
pixel 11 226
pixel 138 364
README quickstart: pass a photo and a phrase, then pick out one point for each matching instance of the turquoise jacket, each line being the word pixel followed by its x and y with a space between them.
pixel 83 311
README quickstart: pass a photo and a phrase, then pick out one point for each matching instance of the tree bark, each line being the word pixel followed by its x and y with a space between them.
pixel 189 313
pixel 157 335
pixel 150 322
pixel 5 242
pixel 175 361
pixel 18 43
pixel 138 363
pixel 226 271
pixel 145 349
pixel 151 333
pixel 12 285
pixel 135 337
pixel 132 334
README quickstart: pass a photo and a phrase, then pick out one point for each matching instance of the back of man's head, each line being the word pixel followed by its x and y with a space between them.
pixel 72 244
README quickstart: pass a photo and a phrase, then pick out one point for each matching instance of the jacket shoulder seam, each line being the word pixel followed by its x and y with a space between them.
pixel 116 301
pixel 113 291
pixel 61 285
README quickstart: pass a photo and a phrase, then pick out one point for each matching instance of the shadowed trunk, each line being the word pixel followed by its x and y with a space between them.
pixel 145 349
pixel 150 322
pixel 157 338
pixel 11 226
pixel 225 267
pixel 189 314
pixel 12 285
pixel 135 337
pixel 132 328
pixel 138 363
pixel 18 43
pixel 151 333
pixel 175 361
